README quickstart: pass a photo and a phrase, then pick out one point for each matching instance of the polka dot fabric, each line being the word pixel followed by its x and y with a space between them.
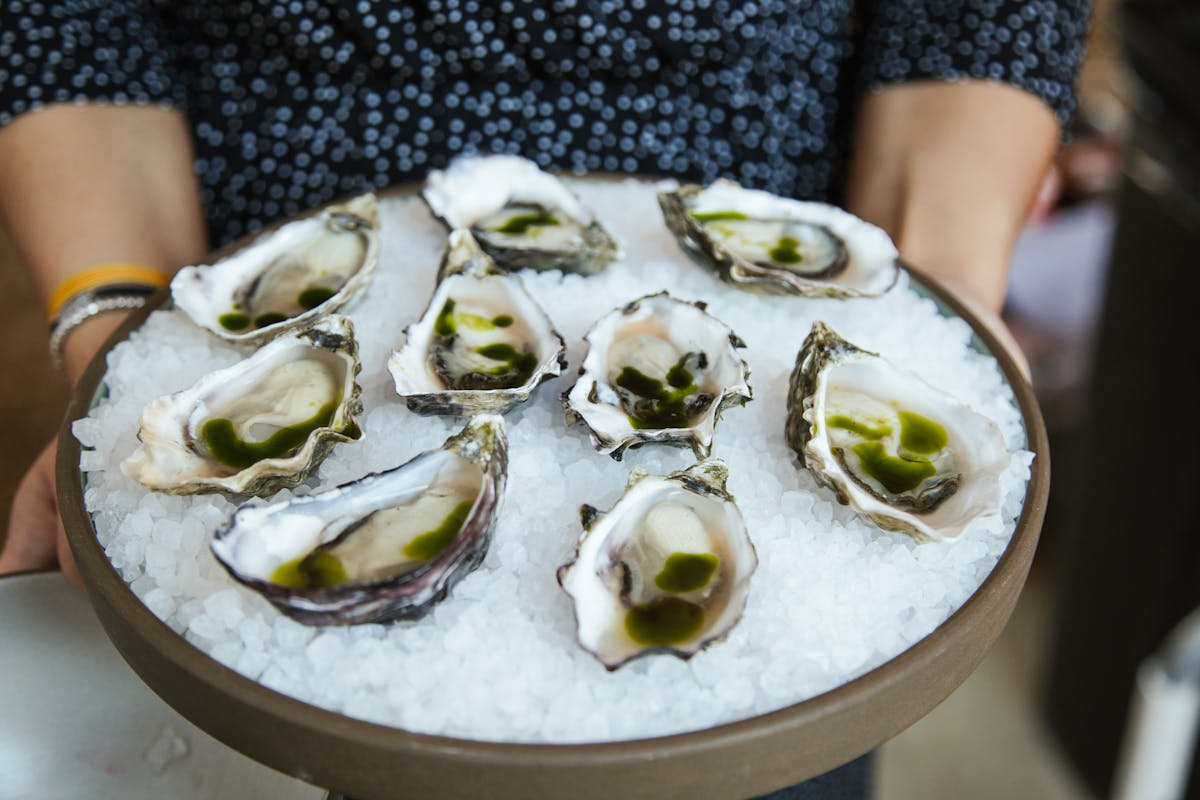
pixel 294 103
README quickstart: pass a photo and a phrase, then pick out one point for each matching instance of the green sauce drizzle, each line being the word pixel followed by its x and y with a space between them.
pixel 716 216
pixel 786 251
pixel 664 621
pixel 430 543
pixel 861 428
pixel 231 451
pixel 519 224
pixel 317 570
pixel 920 434
pixel 502 321
pixel 517 367
pixel 234 321
pixel 311 298
pixel 444 324
pixel 679 377
pixel 642 385
pixel 686 572
pixel 667 408
pixel 269 318
pixel 896 474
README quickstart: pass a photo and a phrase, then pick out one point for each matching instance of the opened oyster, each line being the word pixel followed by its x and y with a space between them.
pixel 286 278
pixel 482 345
pixel 523 217
pixel 903 454
pixel 259 425
pixel 667 570
pixel 387 546
pixel 764 243
pixel 658 370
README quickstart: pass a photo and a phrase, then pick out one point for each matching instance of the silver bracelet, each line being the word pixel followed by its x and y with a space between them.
pixel 82 308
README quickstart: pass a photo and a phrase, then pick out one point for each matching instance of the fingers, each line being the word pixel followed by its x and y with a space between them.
pixel 33 527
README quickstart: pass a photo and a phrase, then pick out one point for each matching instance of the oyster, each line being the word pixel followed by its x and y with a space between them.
pixel 259 425
pixel 287 278
pixel 764 243
pixel 523 217
pixel 903 454
pixel 482 345
pixel 387 546
pixel 658 370
pixel 667 569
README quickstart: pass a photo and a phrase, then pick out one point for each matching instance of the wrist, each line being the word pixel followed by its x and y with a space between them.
pixel 86 339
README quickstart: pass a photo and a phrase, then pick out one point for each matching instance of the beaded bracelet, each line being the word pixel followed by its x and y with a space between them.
pixel 93 291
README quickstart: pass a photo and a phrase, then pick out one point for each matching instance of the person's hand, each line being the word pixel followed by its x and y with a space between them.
pixel 36 539
pixel 989 317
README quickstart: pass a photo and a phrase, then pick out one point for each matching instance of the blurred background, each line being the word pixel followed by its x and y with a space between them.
pixel 1101 299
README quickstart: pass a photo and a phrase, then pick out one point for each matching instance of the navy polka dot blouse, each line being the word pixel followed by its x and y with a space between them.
pixel 296 102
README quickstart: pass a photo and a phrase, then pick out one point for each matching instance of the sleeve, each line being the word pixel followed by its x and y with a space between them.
pixel 114 51
pixel 1035 45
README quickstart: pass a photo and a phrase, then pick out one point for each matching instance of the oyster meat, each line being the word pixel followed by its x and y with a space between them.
pixel 903 454
pixel 387 546
pixel 760 242
pixel 658 370
pixel 260 425
pixel 666 570
pixel 482 345
pixel 287 278
pixel 523 217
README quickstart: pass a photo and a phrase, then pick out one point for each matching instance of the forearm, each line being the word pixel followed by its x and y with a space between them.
pixel 89 184
pixel 950 170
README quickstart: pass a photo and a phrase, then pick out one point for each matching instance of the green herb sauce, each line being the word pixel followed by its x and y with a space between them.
pixel 430 543
pixel 317 570
pixel 231 451
pixel 686 572
pixel 920 434
pixel 269 318
pixel 234 321
pixel 313 297
pixel 444 324
pixel 861 428
pixel 786 252
pixel 895 473
pixel 664 621
pixel 716 216
pixel 517 366
pixel 519 224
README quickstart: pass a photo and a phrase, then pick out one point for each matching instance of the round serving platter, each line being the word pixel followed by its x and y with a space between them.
pixel 734 760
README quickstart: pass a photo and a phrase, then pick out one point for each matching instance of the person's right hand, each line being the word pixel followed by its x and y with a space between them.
pixel 36 539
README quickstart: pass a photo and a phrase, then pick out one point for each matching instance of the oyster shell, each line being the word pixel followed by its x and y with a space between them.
pixel 764 243
pixel 903 454
pixel 259 425
pixel 483 343
pixel 523 217
pixel 666 570
pixel 287 278
pixel 658 370
pixel 387 546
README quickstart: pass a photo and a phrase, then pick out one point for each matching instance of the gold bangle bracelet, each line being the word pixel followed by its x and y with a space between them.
pixel 101 275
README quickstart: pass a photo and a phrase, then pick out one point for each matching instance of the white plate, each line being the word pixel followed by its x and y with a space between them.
pixel 76 722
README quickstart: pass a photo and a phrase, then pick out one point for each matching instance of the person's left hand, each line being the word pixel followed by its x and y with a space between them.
pixel 36 539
